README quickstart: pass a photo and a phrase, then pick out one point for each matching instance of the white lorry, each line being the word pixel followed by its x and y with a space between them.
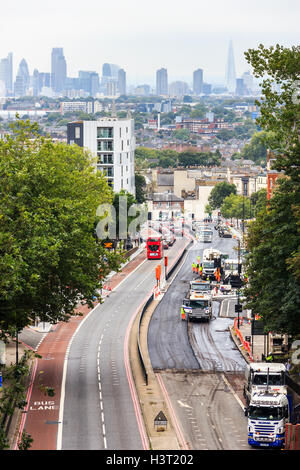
pixel 269 406
pixel 262 376
pixel 205 235
pixel 211 257
pixel 268 413
pixel 198 306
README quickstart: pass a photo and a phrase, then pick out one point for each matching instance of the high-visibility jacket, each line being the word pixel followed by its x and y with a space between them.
pixel 194 267
pixel 182 314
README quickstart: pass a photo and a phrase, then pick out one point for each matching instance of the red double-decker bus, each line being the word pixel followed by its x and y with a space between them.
pixel 155 248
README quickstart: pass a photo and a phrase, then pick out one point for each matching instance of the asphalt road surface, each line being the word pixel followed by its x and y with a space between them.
pixel 98 409
pixel 199 362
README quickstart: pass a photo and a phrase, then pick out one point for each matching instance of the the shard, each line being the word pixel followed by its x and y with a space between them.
pixel 230 77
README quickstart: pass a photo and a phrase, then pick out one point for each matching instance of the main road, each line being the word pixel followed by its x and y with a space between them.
pixel 198 365
pixel 99 409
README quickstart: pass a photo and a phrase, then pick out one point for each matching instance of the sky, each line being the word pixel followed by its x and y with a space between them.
pixel 142 36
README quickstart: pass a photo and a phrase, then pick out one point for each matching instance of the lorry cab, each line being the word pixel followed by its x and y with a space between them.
pixel 198 306
pixel 268 413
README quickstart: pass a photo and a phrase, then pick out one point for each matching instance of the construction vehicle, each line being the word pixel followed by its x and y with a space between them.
pixel 201 286
pixel 279 343
pixel 232 273
pixel 212 259
pixel 262 376
pixel 198 305
pixel 268 414
pixel 205 235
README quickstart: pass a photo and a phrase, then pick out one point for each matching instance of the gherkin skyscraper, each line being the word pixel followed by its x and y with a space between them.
pixel 230 77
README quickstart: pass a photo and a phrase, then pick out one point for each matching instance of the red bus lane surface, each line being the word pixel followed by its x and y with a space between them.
pixel 42 412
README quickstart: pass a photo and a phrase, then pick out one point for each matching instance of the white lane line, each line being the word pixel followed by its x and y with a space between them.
pixel 100 395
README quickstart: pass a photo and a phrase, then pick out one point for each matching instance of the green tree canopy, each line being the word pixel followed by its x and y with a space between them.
pixel 272 241
pixel 278 67
pixel 49 259
pixel 219 192
pixel 140 188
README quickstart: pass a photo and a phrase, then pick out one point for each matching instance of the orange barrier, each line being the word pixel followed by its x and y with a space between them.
pixel 245 344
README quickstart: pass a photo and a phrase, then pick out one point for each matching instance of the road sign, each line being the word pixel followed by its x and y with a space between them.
pixel 160 420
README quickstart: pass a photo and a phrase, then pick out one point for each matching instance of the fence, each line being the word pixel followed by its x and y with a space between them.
pixel 245 344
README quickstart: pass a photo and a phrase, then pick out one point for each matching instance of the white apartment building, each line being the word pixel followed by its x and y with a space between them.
pixel 112 141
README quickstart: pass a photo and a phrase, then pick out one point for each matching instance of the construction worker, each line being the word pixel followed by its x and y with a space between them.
pixel 194 267
pixel 198 259
pixel 182 314
pixel 197 268
pixel 269 358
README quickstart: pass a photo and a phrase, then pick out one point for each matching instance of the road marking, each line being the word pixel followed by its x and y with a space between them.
pixel 183 404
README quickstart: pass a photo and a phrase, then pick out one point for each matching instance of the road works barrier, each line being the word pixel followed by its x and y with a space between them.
pixel 245 344
pixel 292 437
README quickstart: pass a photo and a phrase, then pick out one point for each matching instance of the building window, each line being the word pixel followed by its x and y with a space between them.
pixel 105 133
pixel 105 145
pixel 105 158
pixel 77 132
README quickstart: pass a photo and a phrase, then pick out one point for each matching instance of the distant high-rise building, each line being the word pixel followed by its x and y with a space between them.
pixel 109 80
pixel 248 81
pixel 198 82
pixel 89 82
pixel 178 88
pixel 230 77
pixel 22 79
pixel 58 69
pixel 36 82
pixel 122 81
pixel 162 82
pixel 206 88
pixel 240 89
pixel 6 73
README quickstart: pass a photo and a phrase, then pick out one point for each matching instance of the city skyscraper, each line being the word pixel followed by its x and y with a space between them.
pixel 197 82
pixel 162 82
pixel 58 70
pixel 230 76
pixel 122 81
pixel 6 73
pixel 22 79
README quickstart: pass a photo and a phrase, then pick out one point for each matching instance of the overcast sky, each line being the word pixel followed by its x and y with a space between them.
pixel 142 36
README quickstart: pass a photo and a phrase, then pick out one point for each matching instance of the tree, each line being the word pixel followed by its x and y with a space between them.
pixel 219 192
pixel 235 206
pixel 140 187
pixel 280 106
pixel 48 201
pixel 225 135
pixel 272 241
pixel 181 134
pixel 258 201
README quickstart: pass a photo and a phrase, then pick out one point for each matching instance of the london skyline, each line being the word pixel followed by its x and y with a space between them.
pixel 142 38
